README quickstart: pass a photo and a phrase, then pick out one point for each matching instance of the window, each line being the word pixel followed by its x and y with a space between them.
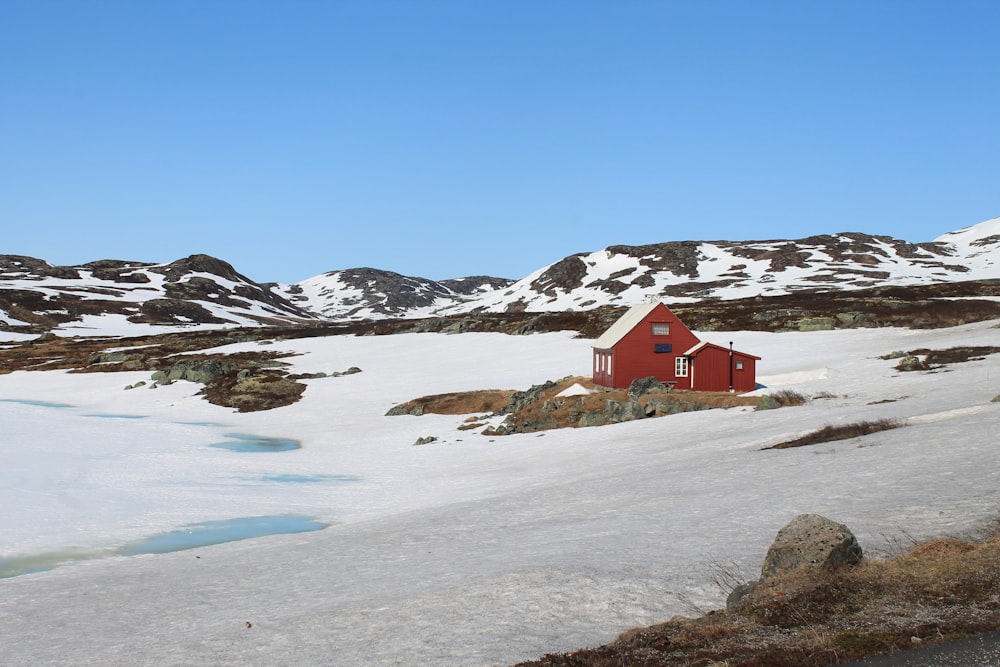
pixel 661 329
pixel 681 367
pixel 609 363
pixel 659 348
pixel 739 365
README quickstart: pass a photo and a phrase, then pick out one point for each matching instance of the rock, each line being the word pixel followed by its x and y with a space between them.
pixel 426 440
pixel 811 540
pixel 624 411
pixel 734 599
pixel 911 363
pixel 646 385
pixel 519 399
pixel 193 370
pixel 996 399
pixel 405 409
pixel 768 402
pixel 244 374
pixel 593 419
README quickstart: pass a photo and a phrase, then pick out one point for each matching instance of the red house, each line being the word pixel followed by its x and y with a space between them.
pixel 649 340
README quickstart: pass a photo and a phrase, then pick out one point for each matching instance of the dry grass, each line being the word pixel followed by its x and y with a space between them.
pixel 461 402
pixel 831 433
pixel 939 590
pixel 550 411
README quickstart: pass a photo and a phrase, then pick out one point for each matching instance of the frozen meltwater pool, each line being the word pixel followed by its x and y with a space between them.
pixel 114 416
pixel 192 536
pixel 216 532
pixel 310 479
pixel 242 442
pixel 39 404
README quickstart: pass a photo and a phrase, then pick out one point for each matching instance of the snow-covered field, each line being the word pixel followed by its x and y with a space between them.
pixel 466 551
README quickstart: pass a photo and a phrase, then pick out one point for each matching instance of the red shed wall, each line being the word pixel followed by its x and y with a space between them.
pixel 745 379
pixel 711 370
pixel 634 356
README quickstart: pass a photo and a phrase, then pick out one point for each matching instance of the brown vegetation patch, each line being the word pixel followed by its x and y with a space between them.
pixel 955 355
pixel 539 408
pixel 831 433
pixel 458 403
pixel 261 392
pixel 943 589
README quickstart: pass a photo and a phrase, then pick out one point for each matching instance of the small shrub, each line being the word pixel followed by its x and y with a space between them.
pixel 780 399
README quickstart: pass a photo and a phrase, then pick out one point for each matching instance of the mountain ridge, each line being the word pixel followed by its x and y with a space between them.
pixel 204 291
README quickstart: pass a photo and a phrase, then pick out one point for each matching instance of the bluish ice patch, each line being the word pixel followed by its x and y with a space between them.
pixel 242 442
pixel 116 416
pixel 216 532
pixel 40 404
pixel 189 537
pixel 310 479
pixel 15 566
pixel 201 423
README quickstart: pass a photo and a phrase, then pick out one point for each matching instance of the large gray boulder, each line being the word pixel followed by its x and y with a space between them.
pixel 810 540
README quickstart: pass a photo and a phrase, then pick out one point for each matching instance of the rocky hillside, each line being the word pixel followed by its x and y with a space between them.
pixel 371 294
pixel 687 271
pixel 198 290
pixel 678 271
pixel 202 291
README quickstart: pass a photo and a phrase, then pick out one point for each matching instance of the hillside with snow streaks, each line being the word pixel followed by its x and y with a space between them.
pixel 677 271
pixel 365 293
pixel 684 272
pixel 202 291
pixel 135 297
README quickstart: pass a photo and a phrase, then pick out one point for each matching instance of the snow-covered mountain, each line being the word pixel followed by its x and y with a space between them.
pixel 204 291
pixel 691 271
pixel 678 271
pixel 197 290
pixel 366 293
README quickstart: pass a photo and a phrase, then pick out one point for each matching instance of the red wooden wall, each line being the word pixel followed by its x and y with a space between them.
pixel 634 356
pixel 710 370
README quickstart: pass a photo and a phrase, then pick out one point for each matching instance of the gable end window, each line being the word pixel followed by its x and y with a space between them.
pixel 681 367
pixel 661 329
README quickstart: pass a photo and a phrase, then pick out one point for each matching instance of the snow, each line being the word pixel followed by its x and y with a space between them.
pixel 471 550
pixel 575 389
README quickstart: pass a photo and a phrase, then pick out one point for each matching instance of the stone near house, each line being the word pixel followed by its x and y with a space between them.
pixel 647 385
pixel 624 411
pixel 767 402
pixel 811 540
pixel 426 440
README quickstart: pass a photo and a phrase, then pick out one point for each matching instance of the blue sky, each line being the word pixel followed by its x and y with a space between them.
pixel 445 138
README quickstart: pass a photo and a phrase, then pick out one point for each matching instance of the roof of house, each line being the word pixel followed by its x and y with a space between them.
pixel 705 344
pixel 625 323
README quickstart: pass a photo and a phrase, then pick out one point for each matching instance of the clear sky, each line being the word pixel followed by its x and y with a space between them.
pixel 445 138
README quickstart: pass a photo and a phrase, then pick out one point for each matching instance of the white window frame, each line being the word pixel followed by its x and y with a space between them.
pixel 681 367
pixel 661 328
